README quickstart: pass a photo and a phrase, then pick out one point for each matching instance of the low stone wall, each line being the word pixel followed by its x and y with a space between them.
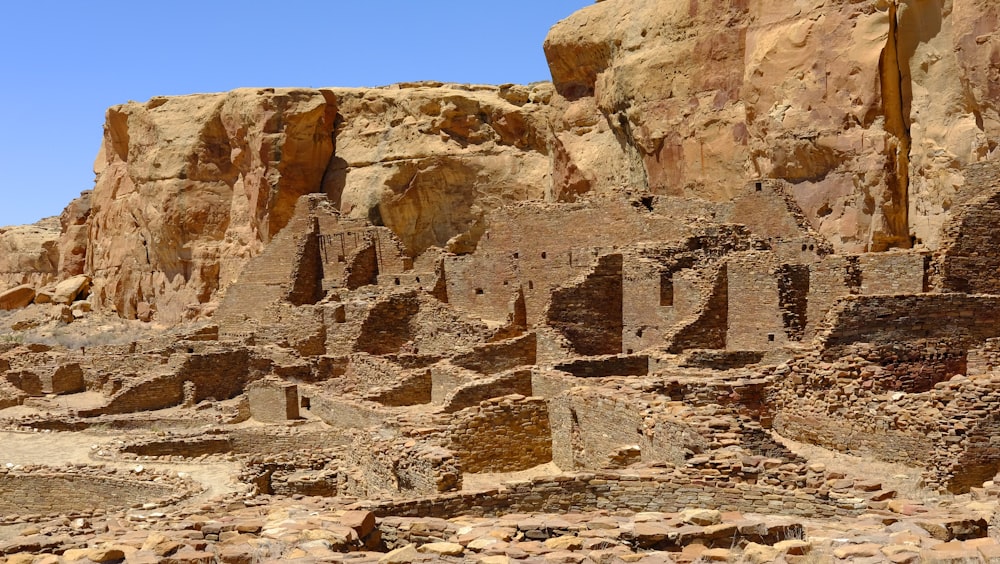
pixel 665 491
pixel 502 435
pixel 491 358
pixel 41 490
pixel 348 414
pixel 412 388
pixel 400 467
pixel 472 393
pixel 602 367
pixel 855 406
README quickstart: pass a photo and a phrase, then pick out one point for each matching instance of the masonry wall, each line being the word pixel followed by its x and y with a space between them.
pixel 969 258
pixel 596 428
pixel 754 316
pixel 412 388
pixel 472 393
pixel 504 434
pixel 540 246
pixel 894 273
pixel 603 367
pixel 589 313
pixel 273 401
pixel 491 358
pixel 63 493
pixel 607 491
pixel 347 413
pixel 946 320
pixel 400 467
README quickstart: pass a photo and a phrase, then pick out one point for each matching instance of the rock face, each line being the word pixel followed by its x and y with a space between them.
pixel 869 109
pixel 29 254
pixel 429 160
pixel 190 187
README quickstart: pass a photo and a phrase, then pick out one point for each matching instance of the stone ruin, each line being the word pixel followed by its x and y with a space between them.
pixel 372 342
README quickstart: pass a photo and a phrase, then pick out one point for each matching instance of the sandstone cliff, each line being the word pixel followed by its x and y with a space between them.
pixel 871 111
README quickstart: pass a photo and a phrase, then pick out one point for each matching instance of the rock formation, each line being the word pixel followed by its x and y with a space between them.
pixel 640 313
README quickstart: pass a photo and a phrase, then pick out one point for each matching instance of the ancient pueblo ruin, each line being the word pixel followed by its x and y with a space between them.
pixel 726 289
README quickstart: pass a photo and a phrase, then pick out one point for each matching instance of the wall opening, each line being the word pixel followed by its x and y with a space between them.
pixel 666 289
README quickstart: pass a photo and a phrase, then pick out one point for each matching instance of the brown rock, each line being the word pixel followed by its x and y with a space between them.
pixel 363 522
pixel 67 291
pixel 29 254
pixel 17 297
pixel 189 187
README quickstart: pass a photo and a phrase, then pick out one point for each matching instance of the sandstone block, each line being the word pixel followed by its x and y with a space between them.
pixel 17 297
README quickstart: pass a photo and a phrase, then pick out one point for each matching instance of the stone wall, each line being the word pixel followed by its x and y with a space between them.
pixel 491 358
pixel 589 312
pixel 605 366
pixel 755 320
pixel 968 260
pixel 652 490
pixel 473 392
pixel 600 428
pixel 400 467
pixel 943 425
pixel 348 413
pixel 937 320
pixel 83 490
pixel 412 388
pixel 503 434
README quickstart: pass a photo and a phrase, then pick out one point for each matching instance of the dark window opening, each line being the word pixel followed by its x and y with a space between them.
pixel 531 285
pixel 418 280
pixel 305 403
pixel 666 289
pixel 545 255
pixel 517 255
pixel 638 333
pixel 760 186
pixel 770 337
pixel 479 291
pixel 396 281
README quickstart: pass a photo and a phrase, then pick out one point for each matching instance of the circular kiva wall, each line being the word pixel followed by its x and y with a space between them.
pixel 50 490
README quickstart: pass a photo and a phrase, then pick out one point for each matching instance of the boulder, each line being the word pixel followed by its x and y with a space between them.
pixel 17 297
pixel 67 291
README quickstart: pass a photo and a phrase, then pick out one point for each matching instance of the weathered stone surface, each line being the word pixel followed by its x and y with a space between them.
pixel 189 187
pixel 17 297
pixel 67 291
pixel 29 254
pixel 835 98
pixel 429 160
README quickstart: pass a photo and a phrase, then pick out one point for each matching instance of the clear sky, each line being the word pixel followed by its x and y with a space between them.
pixel 62 63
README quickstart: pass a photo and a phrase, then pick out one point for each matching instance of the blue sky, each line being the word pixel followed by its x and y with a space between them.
pixel 63 63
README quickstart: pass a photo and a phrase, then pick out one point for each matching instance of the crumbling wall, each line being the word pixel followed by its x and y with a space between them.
pixel 473 392
pixel 949 321
pixel 491 358
pixel 503 434
pixel 412 388
pixel 968 259
pixel 401 467
pixel 597 428
pixel 50 491
pixel 605 366
pixel 589 312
